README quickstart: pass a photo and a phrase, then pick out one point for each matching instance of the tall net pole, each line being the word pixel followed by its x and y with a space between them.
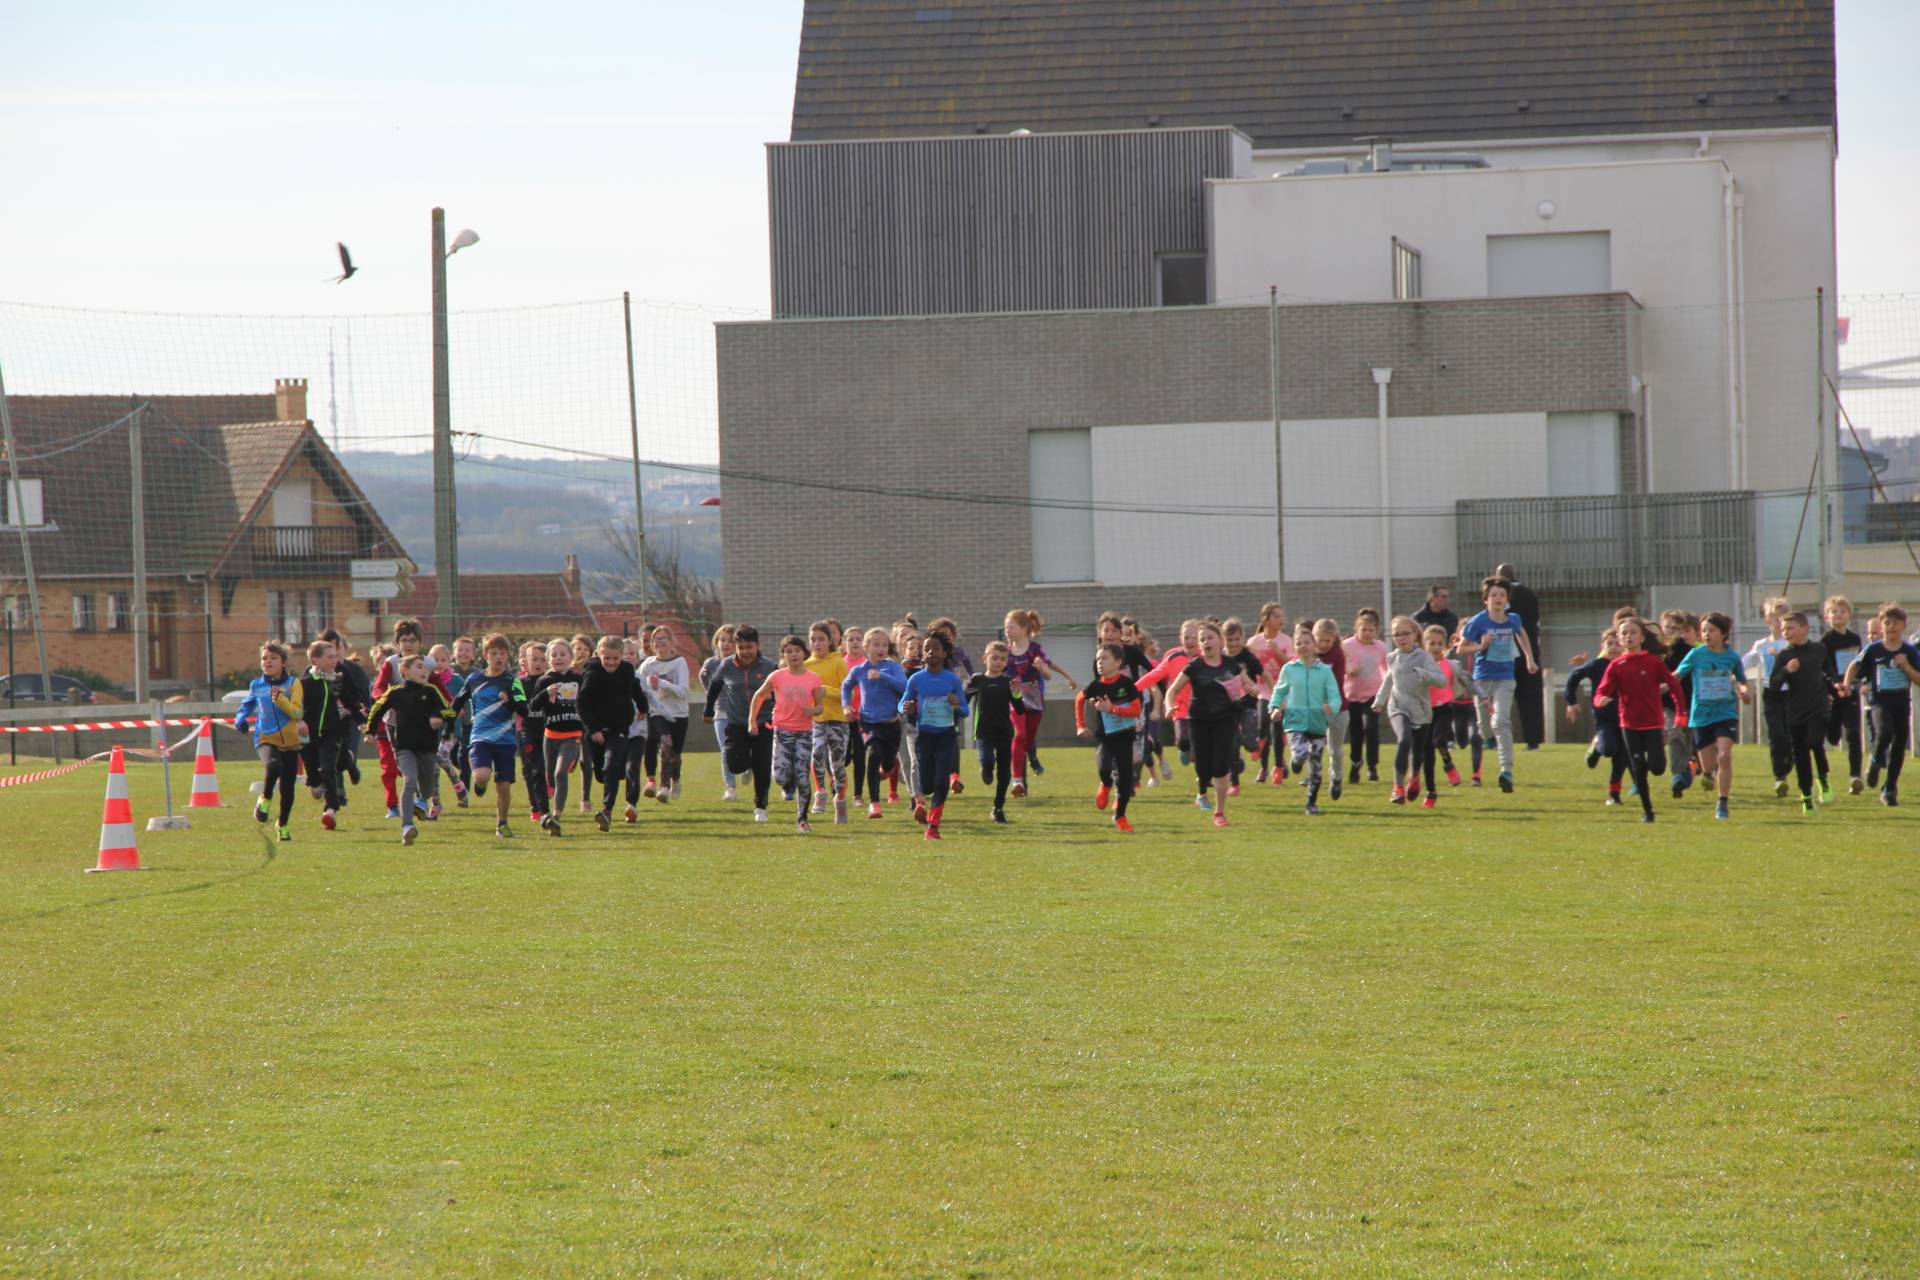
pixel 446 519
pixel 18 515
pixel 639 496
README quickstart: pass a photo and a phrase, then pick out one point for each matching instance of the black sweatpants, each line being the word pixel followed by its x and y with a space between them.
pixel 1892 726
pixel 1779 740
pixel 1113 756
pixel 752 753
pixel 534 767
pixel 938 756
pixel 283 770
pixel 610 761
pixel 1646 754
pixel 1807 741
pixel 1844 723
pixel 857 760
pixel 883 753
pixel 1363 733
pixel 997 755
pixel 323 766
pixel 1412 753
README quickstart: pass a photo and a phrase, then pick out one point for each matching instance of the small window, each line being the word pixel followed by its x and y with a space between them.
pixel 16 611
pixel 83 613
pixel 119 618
pixel 296 617
pixel 1406 271
pixel 1060 483
pixel 1182 279
pixel 28 501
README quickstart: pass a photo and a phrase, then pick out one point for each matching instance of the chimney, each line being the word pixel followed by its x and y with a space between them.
pixel 571 574
pixel 289 399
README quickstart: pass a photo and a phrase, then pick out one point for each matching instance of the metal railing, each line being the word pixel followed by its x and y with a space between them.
pixel 1623 541
pixel 271 543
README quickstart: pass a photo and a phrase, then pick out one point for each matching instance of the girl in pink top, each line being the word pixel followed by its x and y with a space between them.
pixel 797 700
pixel 1270 644
pixel 1027 663
pixel 1366 668
pixel 1172 664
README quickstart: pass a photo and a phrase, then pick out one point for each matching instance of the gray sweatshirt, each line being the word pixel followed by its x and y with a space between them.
pixel 732 690
pixel 1406 692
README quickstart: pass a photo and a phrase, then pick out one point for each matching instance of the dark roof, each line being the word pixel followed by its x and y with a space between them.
pixel 1313 72
pixel 498 599
pixel 211 466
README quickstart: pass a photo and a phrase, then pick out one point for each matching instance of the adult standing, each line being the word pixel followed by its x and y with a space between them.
pixel 1438 611
pixel 1529 686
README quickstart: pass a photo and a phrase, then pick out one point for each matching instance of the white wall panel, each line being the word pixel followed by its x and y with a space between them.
pixel 1223 468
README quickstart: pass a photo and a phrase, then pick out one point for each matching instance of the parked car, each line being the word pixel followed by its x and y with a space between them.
pixel 27 687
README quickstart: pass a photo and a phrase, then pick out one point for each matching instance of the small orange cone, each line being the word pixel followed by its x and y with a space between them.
pixel 116 822
pixel 206 782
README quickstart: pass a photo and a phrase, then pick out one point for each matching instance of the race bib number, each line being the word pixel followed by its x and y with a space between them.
pixel 936 713
pixel 1890 678
pixel 1843 658
pixel 1500 647
pixel 1717 687
pixel 1237 687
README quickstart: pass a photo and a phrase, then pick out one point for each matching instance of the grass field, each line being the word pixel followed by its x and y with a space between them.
pixel 1519 1034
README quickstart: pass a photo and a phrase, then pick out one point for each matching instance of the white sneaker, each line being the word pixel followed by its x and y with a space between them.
pixel 676 788
pixel 819 802
pixel 731 794
pixel 759 815
pixel 1153 779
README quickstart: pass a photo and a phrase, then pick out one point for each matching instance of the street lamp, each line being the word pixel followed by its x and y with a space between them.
pixel 446 520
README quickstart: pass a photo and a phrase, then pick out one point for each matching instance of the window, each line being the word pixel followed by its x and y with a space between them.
pixel 1583 455
pixel 1060 483
pixel 16 611
pixel 1406 271
pixel 296 617
pixel 1181 279
pixel 118 616
pixel 293 503
pixel 29 501
pixel 1534 265
pixel 83 613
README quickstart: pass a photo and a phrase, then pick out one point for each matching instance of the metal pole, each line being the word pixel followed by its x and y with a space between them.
pixel 13 700
pixel 160 745
pixel 446 520
pixel 1279 494
pixel 1381 377
pixel 1820 422
pixel 206 615
pixel 139 510
pixel 19 518
pixel 633 422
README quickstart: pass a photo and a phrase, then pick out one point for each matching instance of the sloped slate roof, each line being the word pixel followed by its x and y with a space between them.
pixel 1299 73
pixel 486 597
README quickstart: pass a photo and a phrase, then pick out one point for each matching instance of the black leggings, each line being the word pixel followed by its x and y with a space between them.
pixel 1845 723
pixel 1363 732
pixel 1215 745
pixel 1644 752
pixel 535 768
pixel 1779 737
pixel 1114 758
pixel 752 753
pixel 1892 726
pixel 938 755
pixel 323 766
pixel 283 767
pixel 997 754
pixel 857 759
pixel 1412 753
pixel 610 761
pixel 1807 742
pixel 666 743
pixel 883 753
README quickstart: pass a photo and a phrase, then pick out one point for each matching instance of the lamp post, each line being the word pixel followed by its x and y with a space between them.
pixel 446 517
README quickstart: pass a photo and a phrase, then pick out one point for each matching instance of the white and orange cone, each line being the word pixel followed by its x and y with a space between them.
pixel 117 852
pixel 206 782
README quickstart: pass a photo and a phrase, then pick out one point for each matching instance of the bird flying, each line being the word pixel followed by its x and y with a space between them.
pixel 346 264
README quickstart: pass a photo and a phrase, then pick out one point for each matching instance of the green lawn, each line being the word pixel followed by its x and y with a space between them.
pixel 1520 1034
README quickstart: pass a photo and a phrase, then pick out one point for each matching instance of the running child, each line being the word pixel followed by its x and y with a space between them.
pixel 1161 678
pixel 1682 632
pixel 1635 681
pixel 829 745
pixel 1607 741
pixel 447 757
pixel 1305 699
pixel 907 645
pixel 557 698
pixel 1116 700
pixel 1800 679
pixel 1843 647
pixel 1252 715
pixel 531 732
pixel 795 698
pixel 272 712
pixel 1887 668
pixel 611 697
pixel 709 674
pixel 414 711
pixel 1031 668
pixel 853 651
pixel 995 699
pixel 1718 678
pixel 1213 716
pixel 494 700
pixel 736 681
pixel 1366 667
pixel 1135 663
pixel 1269 644
pixel 1333 656
pixel 1406 694
pixel 875 686
pixel 936 701
pixel 329 704
pixel 962 666
pixel 667 680
pixel 1498 643
pixel 406 644
pixel 1761 658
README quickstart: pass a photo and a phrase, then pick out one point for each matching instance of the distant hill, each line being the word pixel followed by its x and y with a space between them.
pixel 526 515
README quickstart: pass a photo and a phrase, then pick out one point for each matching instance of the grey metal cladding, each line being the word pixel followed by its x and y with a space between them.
pixel 942 226
pixel 1314 72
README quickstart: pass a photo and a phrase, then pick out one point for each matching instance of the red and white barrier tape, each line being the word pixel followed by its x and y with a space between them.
pixel 96 725
pixel 20 779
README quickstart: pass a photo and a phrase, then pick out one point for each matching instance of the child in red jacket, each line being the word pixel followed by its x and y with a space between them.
pixel 1635 680
pixel 407 641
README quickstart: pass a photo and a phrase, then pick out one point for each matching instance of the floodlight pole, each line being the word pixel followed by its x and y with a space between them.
pixel 138 514
pixel 19 518
pixel 639 497
pixel 1273 401
pixel 446 519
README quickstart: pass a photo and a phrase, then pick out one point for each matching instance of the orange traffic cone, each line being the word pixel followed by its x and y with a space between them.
pixel 206 782
pixel 116 822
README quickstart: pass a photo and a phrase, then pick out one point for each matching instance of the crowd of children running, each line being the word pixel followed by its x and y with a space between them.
pixel 838 716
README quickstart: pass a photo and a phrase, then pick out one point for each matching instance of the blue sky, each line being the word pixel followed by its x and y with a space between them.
pixel 205 157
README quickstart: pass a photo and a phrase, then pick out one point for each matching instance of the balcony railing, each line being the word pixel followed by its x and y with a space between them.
pixel 1611 543
pixel 303 544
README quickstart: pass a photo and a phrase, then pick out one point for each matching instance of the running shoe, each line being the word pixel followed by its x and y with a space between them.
pixel 1333 792
pixel 1780 787
pixel 1219 819
pixel 954 784
pixel 650 790
pixel 1613 799
pixel 393 811
pixel 1476 777
pixel 1806 807
pixel 820 802
pixel 1153 779
pixel 1018 790
pixel 1233 789
pixel 873 810
pixel 1428 801
pixel 286 836
pixel 1353 776
pixel 759 815
pixel 1033 763
pixel 409 833
pixel 1453 776
pixel 802 827
pixel 632 814
pixel 1826 792
pixel 1593 758
pixel 730 793
pixel 1102 796
pixel 328 821
pixel 603 818
pixel 1261 776
pixel 1506 782
pixel 1890 797
pixel 1873 774
pixel 1313 810
pixel 920 814
pixel 1646 815
pixel 1720 810
pixel 501 831
pixel 1855 787
pixel 1204 802
pixel 1121 824
pixel 1399 796
pixel 1000 816
pixel 1373 774
pixel 433 812
pixel 986 772
pixel 260 810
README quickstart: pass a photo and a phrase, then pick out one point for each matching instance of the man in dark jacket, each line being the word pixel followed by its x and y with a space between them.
pixel 1529 687
pixel 1437 612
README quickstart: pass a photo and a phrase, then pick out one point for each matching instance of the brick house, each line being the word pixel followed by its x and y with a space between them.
pixel 251 521
pixel 523 606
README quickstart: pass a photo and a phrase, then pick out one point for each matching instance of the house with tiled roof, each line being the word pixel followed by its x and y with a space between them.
pixel 1200 303
pixel 250 525
pixel 523 606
